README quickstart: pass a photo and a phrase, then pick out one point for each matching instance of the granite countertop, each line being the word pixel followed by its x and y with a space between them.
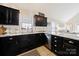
pixel 15 34
pixel 68 35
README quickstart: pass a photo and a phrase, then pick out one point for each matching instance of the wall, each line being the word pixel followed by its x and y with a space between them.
pixel 60 13
pixel 26 14
pixel 64 14
pixel 73 22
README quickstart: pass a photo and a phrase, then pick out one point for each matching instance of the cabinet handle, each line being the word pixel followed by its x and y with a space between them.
pixel 71 42
pixel 10 38
pixel 55 37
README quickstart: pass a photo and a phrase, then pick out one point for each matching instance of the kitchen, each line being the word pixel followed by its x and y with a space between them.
pixel 28 26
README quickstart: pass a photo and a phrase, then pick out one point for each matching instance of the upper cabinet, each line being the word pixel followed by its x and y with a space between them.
pixel 9 16
pixel 40 20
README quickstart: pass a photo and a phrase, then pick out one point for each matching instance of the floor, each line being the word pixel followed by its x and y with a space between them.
pixel 40 51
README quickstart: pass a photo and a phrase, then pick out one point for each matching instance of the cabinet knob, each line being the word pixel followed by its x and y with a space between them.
pixel 55 50
pixel 55 45
pixel 10 38
pixel 55 40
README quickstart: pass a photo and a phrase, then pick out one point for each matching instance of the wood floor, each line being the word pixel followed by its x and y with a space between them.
pixel 40 51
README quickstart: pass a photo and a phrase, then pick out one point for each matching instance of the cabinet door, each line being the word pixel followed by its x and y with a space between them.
pixel 23 43
pixel 9 16
pixel 70 50
pixel 43 38
pixel 70 47
pixel 3 15
pixel 8 45
pixel 13 16
pixel 38 39
pixel 35 40
pixel 27 41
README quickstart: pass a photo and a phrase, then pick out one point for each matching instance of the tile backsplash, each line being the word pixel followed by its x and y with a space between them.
pixel 11 29
pixel 39 29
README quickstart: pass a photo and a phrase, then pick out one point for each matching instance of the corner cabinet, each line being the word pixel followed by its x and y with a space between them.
pixel 14 45
pixel 30 41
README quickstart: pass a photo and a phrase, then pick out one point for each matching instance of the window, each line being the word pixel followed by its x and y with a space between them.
pixel 26 26
pixel 77 28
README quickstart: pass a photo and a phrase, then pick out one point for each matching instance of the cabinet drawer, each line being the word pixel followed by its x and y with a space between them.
pixel 57 42
pixel 54 37
pixel 55 48
pixel 72 42
pixel 8 39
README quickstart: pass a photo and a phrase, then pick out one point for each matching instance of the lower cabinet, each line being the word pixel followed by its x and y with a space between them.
pixel 62 46
pixel 57 44
pixel 71 47
pixel 28 42
pixel 8 46
pixel 14 45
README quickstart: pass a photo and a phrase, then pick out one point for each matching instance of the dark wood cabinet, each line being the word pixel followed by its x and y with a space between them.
pixel 14 45
pixel 56 44
pixel 13 17
pixel 3 15
pixel 30 41
pixel 64 46
pixel 40 20
pixel 9 16
pixel 71 47
pixel 8 46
